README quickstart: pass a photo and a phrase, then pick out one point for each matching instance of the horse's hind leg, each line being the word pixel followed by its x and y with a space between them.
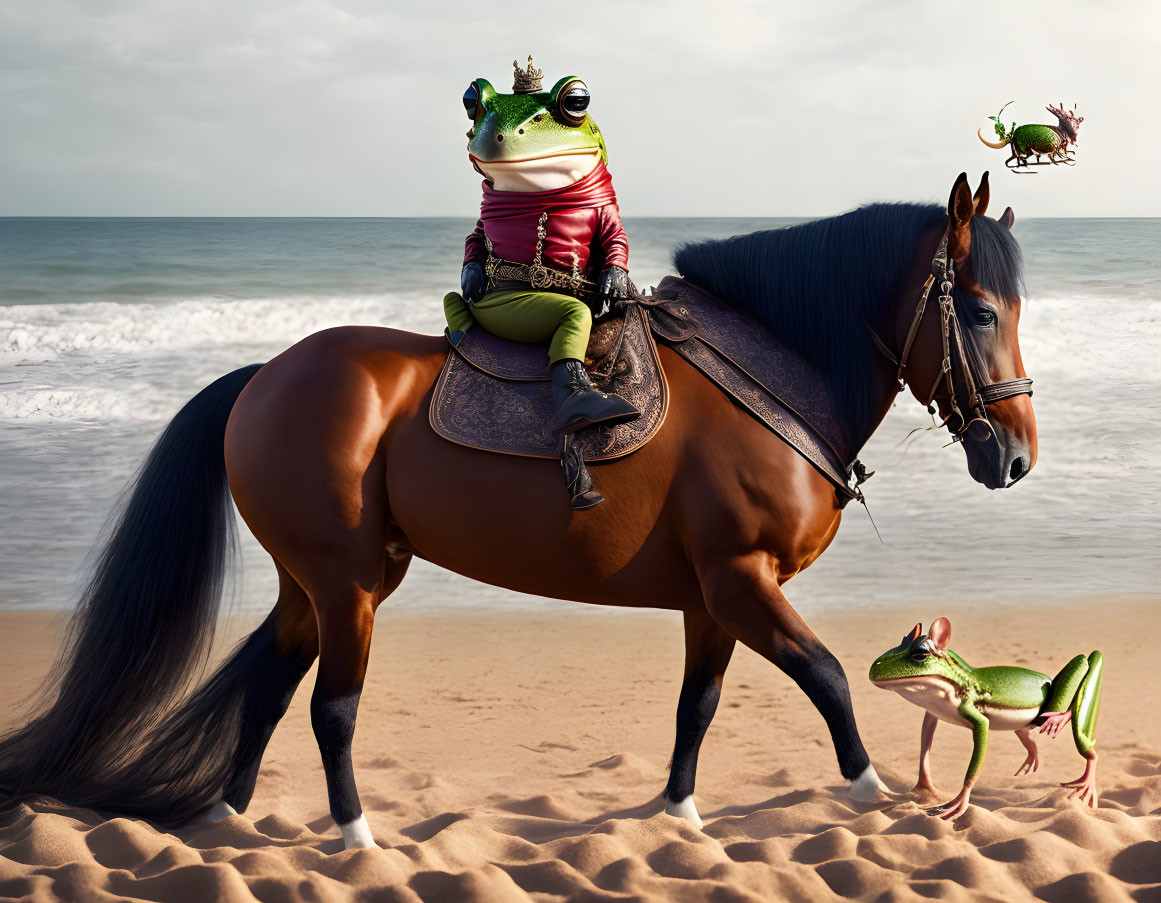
pixel 707 653
pixel 743 596
pixel 346 612
pixel 278 655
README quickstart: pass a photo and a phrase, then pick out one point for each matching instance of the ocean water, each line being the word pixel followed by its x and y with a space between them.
pixel 107 326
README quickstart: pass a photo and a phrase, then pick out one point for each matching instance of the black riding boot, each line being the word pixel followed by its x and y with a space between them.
pixel 579 405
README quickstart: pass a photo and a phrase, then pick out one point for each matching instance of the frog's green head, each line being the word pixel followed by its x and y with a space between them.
pixel 532 140
pixel 918 655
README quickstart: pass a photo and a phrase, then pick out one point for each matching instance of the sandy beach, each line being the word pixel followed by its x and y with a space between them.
pixel 521 757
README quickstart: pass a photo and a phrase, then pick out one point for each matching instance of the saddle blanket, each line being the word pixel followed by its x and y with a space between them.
pixel 496 395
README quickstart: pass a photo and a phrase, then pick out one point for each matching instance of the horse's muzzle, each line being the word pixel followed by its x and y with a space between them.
pixel 996 458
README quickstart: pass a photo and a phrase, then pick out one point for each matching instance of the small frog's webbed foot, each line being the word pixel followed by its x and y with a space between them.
pixel 1085 787
pixel 953 808
pixel 1053 722
pixel 1032 762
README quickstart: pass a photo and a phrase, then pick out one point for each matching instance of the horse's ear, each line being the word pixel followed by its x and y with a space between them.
pixel 939 634
pixel 982 196
pixel 960 208
pixel 1007 218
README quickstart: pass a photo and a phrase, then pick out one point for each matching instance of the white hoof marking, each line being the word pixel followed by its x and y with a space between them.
pixel 356 834
pixel 220 810
pixel 684 809
pixel 867 786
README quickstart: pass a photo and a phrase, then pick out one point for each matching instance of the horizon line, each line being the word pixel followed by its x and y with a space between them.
pixel 243 216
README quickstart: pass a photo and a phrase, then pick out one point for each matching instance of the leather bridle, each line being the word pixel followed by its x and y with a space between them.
pixel 979 393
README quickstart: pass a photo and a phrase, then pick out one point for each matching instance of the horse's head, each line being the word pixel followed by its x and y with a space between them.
pixel 992 410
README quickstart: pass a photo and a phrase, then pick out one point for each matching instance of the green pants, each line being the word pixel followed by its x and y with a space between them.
pixel 527 316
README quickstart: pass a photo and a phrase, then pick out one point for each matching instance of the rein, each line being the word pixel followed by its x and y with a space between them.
pixel 980 393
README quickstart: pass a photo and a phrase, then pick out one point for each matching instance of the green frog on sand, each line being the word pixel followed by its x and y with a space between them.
pixel 924 671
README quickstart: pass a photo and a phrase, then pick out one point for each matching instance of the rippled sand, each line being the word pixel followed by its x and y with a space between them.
pixel 520 757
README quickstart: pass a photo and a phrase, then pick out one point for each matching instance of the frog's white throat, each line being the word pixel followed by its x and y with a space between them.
pixel 546 173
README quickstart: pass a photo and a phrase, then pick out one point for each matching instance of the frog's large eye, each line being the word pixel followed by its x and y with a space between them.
pixel 920 655
pixel 472 101
pixel 572 102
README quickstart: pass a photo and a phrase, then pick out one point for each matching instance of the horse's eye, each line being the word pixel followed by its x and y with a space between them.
pixel 573 102
pixel 984 317
pixel 472 101
pixel 919 656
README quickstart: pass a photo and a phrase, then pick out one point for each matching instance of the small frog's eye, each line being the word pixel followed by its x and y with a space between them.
pixel 472 101
pixel 572 102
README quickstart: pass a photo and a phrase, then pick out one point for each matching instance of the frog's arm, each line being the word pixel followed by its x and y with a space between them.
pixel 476 245
pixel 610 236
pixel 979 725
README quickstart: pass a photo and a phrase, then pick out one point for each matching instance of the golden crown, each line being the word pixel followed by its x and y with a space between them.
pixel 526 81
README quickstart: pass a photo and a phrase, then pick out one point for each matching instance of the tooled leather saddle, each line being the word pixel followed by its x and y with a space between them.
pixel 496 395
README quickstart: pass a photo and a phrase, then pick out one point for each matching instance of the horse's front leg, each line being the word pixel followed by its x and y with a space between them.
pixel 707 653
pixel 743 596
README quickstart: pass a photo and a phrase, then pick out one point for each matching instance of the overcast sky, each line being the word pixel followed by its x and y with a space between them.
pixel 723 108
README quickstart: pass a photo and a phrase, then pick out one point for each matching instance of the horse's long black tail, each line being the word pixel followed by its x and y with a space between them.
pixel 142 628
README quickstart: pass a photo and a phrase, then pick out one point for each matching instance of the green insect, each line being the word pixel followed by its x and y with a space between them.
pixel 1051 141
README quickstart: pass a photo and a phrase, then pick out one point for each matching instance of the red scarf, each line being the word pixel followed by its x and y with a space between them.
pixel 594 190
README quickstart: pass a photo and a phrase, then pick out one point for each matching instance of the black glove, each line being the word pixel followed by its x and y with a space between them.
pixel 473 282
pixel 614 284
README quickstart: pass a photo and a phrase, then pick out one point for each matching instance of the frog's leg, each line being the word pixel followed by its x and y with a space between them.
pixel 926 739
pixel 1085 706
pixel 457 313
pixel 979 722
pixel 1032 762
pixel 1057 709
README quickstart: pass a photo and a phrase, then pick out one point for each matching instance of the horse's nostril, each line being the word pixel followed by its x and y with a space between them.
pixel 1019 468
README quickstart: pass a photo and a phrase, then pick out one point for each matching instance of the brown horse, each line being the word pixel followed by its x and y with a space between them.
pixel 332 464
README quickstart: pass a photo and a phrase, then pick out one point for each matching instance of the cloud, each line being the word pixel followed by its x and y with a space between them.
pixel 730 108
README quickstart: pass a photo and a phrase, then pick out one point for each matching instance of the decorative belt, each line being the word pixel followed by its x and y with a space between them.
pixel 537 274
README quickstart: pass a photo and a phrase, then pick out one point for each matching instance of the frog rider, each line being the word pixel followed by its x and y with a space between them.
pixel 548 225
pixel 924 671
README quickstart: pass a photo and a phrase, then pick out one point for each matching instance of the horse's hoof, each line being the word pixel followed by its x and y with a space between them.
pixel 867 786
pixel 357 835
pixel 220 811
pixel 684 809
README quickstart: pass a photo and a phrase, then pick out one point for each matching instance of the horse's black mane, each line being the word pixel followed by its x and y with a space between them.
pixel 815 285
